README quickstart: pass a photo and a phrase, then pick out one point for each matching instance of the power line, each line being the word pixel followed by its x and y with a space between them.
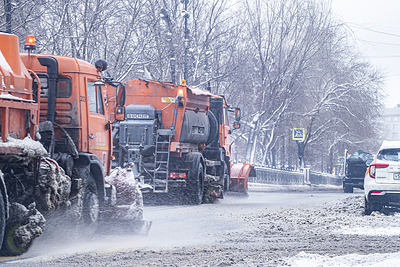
pixel 374 42
pixel 371 30
pixel 392 56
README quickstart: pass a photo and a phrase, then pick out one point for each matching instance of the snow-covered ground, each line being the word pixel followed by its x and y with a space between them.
pixel 304 259
pixel 299 228
pixel 354 260
pixel 377 226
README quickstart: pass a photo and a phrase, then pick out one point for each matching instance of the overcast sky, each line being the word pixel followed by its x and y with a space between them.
pixel 376 25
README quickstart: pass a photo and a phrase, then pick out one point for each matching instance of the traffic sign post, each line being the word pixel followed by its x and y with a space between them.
pixel 298 134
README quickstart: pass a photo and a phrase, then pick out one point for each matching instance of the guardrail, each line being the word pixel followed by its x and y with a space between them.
pixel 284 177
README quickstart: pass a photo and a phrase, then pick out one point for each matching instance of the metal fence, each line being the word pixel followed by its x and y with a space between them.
pixel 283 177
pixel 275 176
pixel 324 178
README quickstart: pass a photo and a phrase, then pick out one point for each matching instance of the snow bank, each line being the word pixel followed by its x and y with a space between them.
pixel 348 227
pixel 373 260
pixel 380 231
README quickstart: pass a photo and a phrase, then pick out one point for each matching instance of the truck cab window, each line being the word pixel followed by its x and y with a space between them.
pixel 100 100
pixel 64 87
pixel 226 117
pixel 95 98
pixel 92 97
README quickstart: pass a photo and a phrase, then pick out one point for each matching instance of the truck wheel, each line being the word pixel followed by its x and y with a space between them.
pixel 196 186
pixel 91 206
pixel 9 247
pixel 2 219
pixel 348 189
pixel 367 207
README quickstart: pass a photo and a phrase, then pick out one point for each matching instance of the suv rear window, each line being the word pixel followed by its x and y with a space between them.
pixel 391 154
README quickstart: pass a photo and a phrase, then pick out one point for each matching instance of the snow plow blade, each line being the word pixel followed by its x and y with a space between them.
pixel 239 176
pixel 124 214
pixel 115 220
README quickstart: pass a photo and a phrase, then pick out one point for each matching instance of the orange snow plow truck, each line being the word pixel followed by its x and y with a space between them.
pixel 177 138
pixel 55 149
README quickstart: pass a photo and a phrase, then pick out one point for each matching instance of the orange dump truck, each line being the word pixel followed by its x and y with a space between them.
pixel 56 145
pixel 177 138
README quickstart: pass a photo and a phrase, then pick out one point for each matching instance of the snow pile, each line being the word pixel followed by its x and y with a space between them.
pixel 328 234
pixel 33 226
pixel 372 260
pixel 128 193
pixel 11 97
pixel 54 186
pixel 369 231
pixel 29 147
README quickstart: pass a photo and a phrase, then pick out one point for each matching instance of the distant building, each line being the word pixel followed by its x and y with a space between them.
pixel 392 123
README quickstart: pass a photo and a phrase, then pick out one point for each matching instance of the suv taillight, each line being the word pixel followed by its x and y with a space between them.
pixel 373 167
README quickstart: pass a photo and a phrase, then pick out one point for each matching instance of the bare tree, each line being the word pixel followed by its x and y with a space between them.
pixel 304 75
pixel 16 16
pixel 284 37
pixel 286 63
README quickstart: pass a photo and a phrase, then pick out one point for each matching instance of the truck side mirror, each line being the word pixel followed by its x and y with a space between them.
pixel 120 95
pixel 237 114
pixel 120 113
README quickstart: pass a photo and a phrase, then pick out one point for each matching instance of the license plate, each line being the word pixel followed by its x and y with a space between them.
pixel 396 176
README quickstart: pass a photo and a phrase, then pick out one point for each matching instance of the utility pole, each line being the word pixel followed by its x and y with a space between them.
pixel 7 7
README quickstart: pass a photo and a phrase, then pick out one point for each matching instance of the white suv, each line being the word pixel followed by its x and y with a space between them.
pixel 382 179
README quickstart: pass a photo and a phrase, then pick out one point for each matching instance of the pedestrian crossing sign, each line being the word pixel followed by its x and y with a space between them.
pixel 298 134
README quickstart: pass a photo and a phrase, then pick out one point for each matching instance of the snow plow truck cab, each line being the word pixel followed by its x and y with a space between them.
pixel 57 104
pixel 178 139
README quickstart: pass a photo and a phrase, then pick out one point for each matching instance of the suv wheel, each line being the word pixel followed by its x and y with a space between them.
pixel 367 207
pixel 348 189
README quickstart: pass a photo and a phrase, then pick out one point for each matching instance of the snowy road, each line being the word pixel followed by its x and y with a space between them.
pixel 312 228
